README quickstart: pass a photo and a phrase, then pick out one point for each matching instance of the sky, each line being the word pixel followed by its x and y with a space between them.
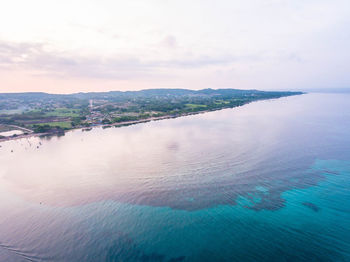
pixel 69 46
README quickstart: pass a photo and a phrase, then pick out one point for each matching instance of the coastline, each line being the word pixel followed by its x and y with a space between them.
pixel 121 124
pixel 125 123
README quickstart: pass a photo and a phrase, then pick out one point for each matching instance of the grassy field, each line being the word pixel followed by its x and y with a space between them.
pixel 64 112
pixel 58 124
pixel 221 102
pixel 11 111
pixel 196 106
pixel 5 128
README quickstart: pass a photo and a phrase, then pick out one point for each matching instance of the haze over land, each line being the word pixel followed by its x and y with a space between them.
pixel 72 46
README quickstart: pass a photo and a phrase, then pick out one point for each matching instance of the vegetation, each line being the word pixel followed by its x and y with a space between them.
pixel 48 129
pixel 64 125
pixel 45 113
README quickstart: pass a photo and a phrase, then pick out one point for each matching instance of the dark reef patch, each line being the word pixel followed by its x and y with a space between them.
pixel 229 192
pixel 312 206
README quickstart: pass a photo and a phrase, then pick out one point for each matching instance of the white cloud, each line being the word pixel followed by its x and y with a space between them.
pixel 259 43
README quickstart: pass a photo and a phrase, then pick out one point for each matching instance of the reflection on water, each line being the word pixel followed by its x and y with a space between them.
pixel 124 194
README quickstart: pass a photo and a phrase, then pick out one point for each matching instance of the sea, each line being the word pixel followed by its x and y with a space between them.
pixel 267 181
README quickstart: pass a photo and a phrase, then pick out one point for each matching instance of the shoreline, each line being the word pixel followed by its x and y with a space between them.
pixel 121 124
pixel 126 123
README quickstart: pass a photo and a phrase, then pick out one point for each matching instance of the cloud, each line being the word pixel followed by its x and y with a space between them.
pixel 41 58
pixel 169 42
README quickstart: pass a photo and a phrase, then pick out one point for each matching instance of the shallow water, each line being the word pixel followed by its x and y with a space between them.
pixel 11 133
pixel 269 181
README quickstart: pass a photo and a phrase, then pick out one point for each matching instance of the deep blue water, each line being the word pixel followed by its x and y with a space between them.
pixel 269 181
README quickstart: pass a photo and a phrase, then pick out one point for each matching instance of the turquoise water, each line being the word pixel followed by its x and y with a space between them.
pixel 269 181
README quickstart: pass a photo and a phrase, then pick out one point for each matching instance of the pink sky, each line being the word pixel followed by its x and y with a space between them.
pixel 60 47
